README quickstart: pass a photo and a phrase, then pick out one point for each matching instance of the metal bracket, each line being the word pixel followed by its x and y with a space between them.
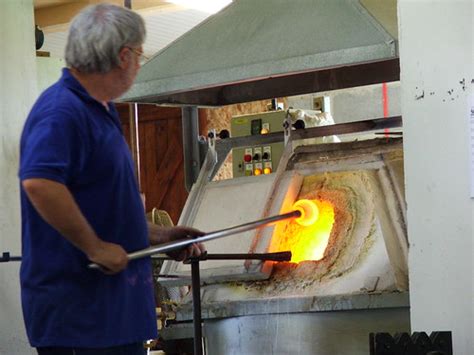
pixel 287 127
pixel 7 257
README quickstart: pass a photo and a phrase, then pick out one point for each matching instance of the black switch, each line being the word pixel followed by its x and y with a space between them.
pixel 256 126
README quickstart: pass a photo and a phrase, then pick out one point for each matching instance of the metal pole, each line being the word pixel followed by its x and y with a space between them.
pixel 197 320
pixel 190 124
pixel 134 140
pixel 181 243
pixel 277 256
pixel 6 257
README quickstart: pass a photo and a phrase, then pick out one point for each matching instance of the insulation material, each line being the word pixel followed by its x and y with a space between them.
pixel 358 187
pixel 351 237
pixel 355 260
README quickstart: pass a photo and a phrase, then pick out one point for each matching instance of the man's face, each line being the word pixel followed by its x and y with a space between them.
pixel 138 54
pixel 129 66
pixel 134 64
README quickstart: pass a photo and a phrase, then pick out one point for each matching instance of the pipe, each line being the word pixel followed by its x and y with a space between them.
pixel 190 123
pixel 197 317
pixel 181 243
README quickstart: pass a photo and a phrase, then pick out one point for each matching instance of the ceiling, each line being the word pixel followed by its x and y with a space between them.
pixel 40 4
pixel 164 21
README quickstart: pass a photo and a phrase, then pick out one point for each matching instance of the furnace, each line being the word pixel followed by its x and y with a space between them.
pixel 348 276
pixel 348 272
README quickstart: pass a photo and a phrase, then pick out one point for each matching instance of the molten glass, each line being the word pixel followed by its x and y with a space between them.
pixel 307 242
pixel 309 212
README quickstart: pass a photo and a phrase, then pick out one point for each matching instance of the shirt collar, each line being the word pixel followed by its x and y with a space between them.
pixel 71 82
pixel 68 80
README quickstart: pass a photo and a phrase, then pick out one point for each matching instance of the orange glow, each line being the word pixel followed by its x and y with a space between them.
pixel 264 131
pixel 257 172
pixel 308 242
pixel 309 212
pixel 267 171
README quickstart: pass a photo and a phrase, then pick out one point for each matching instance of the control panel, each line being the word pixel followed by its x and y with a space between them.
pixel 257 159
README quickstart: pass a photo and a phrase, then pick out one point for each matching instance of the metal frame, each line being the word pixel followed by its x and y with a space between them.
pixel 290 84
pixel 196 287
pixel 218 151
pixel 224 146
pixel 190 123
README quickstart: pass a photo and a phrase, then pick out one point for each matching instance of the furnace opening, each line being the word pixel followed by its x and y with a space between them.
pixel 307 242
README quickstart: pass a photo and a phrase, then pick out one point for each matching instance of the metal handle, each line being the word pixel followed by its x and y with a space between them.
pixel 6 257
pixel 181 243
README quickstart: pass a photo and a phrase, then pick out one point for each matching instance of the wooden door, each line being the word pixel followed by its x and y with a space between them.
pixel 160 156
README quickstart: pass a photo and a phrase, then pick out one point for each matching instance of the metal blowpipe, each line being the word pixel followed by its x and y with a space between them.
pixel 181 243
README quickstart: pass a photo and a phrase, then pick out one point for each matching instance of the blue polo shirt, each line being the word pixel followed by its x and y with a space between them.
pixel 71 138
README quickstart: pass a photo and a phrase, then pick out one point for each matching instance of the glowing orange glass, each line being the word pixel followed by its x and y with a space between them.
pixel 307 242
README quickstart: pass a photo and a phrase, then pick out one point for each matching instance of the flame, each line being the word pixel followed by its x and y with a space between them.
pixel 308 242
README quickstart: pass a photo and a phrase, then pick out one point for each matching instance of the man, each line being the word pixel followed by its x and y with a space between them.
pixel 80 201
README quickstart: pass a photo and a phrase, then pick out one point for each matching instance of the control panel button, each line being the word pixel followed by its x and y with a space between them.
pixel 267 153
pixel 257 154
pixel 247 158
pixel 248 169
pixel 265 128
pixel 267 167
pixel 258 169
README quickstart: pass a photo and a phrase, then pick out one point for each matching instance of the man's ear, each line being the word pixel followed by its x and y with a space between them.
pixel 124 58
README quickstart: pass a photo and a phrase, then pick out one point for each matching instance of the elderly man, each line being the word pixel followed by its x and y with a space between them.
pixel 80 201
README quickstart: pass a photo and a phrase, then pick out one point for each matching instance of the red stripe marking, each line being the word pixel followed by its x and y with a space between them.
pixel 385 104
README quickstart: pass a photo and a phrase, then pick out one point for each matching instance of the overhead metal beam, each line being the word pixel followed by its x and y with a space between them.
pixel 285 85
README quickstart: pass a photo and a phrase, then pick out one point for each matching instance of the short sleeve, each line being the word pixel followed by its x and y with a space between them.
pixel 52 148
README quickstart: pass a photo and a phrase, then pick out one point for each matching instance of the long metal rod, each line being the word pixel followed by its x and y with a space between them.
pixel 137 146
pixel 197 318
pixel 275 256
pixel 181 243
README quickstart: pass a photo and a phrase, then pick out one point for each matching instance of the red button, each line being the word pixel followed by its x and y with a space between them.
pixel 247 158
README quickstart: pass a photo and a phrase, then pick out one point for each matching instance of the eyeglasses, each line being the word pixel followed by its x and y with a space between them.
pixel 139 53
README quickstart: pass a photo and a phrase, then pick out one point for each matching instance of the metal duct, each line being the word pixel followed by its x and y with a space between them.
pixel 251 51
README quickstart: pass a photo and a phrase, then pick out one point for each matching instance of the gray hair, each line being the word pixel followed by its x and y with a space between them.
pixel 98 33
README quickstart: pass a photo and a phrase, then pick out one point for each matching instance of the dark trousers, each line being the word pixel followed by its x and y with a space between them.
pixel 129 349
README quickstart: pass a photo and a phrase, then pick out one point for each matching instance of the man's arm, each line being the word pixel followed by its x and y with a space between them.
pixel 56 205
pixel 159 235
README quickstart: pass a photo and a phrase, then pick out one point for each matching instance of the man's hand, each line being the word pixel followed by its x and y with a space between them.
pixel 111 258
pixel 159 235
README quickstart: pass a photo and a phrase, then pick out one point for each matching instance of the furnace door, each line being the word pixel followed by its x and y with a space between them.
pixel 224 204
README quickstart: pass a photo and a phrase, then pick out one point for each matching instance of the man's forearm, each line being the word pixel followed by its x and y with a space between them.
pixel 54 202
pixel 156 234
pixel 159 235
